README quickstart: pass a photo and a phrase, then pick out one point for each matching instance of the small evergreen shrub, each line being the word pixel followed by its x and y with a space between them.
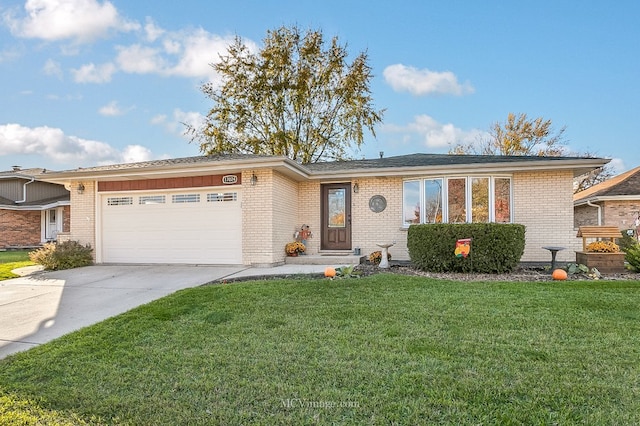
pixel 626 241
pixel 632 256
pixel 66 255
pixel 495 247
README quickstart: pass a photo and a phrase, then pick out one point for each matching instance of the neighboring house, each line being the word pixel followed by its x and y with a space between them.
pixel 614 202
pixel 32 211
pixel 243 209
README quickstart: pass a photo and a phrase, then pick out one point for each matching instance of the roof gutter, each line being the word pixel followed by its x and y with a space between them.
pixel 599 211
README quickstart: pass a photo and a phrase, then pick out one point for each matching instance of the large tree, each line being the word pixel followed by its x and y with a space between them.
pixel 296 97
pixel 518 135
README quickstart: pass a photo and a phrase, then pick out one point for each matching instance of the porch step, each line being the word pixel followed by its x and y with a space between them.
pixel 337 259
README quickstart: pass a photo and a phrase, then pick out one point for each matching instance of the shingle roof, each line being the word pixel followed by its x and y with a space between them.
pixel 625 184
pixel 425 160
pixel 23 173
pixel 202 159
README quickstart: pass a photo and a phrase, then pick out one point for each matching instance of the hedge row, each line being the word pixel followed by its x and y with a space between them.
pixel 495 247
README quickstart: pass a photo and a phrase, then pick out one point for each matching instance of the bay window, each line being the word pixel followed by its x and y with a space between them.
pixel 460 199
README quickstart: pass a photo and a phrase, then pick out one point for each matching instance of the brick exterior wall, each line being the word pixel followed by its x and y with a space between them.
pixel 83 215
pixel 543 202
pixel 277 206
pixel 66 219
pixel 620 213
pixel 585 215
pixel 20 228
pixel 269 211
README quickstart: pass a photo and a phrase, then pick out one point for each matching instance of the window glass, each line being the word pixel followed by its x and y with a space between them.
pixel 185 198
pixel 337 208
pixel 456 200
pixel 479 200
pixel 502 200
pixel 119 201
pixel 433 201
pixel 411 202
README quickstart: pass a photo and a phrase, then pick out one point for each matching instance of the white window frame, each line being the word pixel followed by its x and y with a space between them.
pixel 468 196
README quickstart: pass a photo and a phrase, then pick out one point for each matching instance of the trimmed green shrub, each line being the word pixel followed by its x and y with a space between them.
pixel 495 247
pixel 632 256
pixel 66 255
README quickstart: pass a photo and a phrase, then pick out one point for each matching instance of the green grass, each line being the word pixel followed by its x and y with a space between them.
pixel 10 260
pixel 386 349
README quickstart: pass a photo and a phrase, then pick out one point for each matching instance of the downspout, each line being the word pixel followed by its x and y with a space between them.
pixel 24 190
pixel 599 211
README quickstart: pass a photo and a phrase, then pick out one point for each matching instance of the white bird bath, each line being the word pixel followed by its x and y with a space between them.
pixel 384 262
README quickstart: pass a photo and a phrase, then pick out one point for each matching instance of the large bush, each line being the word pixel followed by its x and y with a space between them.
pixel 66 255
pixel 495 247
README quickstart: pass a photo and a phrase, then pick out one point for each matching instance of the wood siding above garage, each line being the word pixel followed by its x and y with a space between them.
pixel 171 183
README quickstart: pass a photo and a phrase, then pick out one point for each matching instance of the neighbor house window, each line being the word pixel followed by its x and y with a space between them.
pixel 457 200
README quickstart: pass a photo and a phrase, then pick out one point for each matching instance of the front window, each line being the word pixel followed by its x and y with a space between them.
pixel 502 200
pixel 479 200
pixel 433 200
pixel 457 200
pixel 411 202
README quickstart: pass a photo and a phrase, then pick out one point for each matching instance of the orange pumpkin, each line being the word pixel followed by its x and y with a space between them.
pixel 559 274
pixel 330 272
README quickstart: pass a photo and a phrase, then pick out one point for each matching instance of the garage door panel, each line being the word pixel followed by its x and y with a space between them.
pixel 207 232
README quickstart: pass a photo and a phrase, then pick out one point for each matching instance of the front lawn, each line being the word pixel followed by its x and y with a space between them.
pixel 387 349
pixel 10 260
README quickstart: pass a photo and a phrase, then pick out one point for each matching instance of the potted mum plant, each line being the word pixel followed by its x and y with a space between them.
pixel 294 248
pixel 605 256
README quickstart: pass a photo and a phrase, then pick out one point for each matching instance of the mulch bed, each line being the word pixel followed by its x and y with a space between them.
pixel 521 274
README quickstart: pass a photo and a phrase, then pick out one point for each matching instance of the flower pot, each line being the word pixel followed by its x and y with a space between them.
pixel 603 262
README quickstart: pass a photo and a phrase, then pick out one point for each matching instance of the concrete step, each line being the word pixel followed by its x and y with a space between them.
pixel 337 259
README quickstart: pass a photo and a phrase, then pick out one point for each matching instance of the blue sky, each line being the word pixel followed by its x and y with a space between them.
pixel 90 82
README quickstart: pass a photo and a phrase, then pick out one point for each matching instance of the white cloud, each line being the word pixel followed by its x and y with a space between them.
pixel 53 68
pixel 424 82
pixel 151 30
pixel 136 153
pixel 111 109
pixel 91 73
pixel 79 20
pixel 137 59
pixel 176 124
pixel 617 165
pixel 53 143
pixel 186 53
pixel 431 134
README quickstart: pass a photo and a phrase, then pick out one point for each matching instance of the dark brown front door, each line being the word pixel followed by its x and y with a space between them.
pixel 336 216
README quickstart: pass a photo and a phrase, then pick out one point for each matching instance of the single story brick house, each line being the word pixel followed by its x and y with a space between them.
pixel 32 211
pixel 614 202
pixel 243 209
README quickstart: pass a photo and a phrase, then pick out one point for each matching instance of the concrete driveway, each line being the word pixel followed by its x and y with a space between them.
pixel 41 307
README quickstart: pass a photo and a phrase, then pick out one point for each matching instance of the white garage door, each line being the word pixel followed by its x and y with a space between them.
pixel 187 226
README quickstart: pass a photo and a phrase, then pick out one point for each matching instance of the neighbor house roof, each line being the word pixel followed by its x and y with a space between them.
pixel 623 186
pixel 387 166
pixel 25 176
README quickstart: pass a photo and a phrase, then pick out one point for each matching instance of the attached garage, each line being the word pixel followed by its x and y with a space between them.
pixel 182 226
